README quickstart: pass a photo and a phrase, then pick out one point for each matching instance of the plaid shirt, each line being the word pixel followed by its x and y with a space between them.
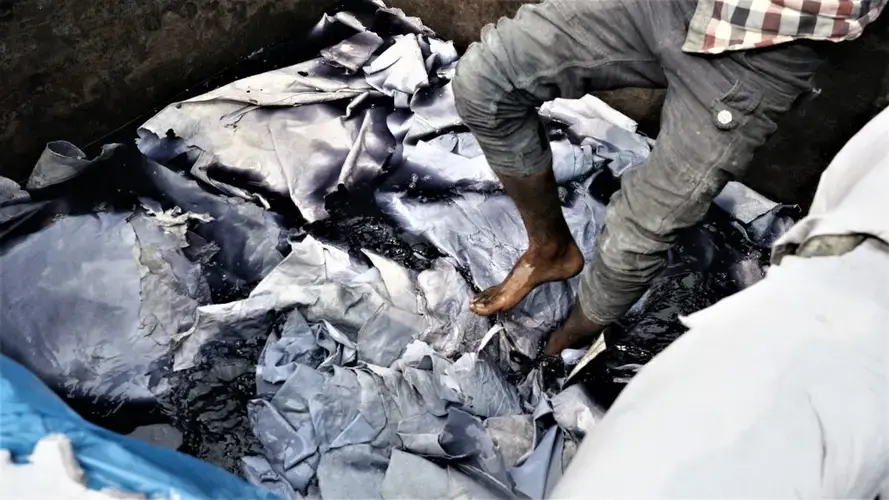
pixel 721 25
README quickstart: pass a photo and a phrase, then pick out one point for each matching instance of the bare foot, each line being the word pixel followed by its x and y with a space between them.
pixel 535 267
pixel 576 332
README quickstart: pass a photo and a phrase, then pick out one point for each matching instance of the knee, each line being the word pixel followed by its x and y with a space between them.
pixel 505 124
pixel 474 87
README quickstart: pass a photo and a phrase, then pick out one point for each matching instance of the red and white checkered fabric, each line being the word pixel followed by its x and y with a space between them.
pixel 721 25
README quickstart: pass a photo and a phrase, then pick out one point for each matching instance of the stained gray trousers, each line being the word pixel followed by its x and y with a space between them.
pixel 718 111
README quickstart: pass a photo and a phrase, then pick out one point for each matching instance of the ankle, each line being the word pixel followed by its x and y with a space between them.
pixel 554 348
pixel 553 248
pixel 577 332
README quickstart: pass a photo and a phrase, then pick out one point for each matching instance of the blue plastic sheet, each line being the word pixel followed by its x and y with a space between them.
pixel 29 411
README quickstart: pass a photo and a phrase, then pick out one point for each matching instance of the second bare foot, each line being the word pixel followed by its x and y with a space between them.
pixel 576 332
pixel 535 267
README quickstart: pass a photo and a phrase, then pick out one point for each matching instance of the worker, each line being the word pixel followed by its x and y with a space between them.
pixel 781 390
pixel 731 69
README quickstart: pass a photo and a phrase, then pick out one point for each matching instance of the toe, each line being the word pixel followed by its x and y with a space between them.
pixel 487 306
pixel 485 297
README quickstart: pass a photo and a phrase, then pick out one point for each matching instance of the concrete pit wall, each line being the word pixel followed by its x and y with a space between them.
pixel 77 70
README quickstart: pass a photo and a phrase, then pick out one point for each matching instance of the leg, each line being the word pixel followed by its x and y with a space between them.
pixel 549 50
pixel 577 331
pixel 552 254
pixel 717 113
